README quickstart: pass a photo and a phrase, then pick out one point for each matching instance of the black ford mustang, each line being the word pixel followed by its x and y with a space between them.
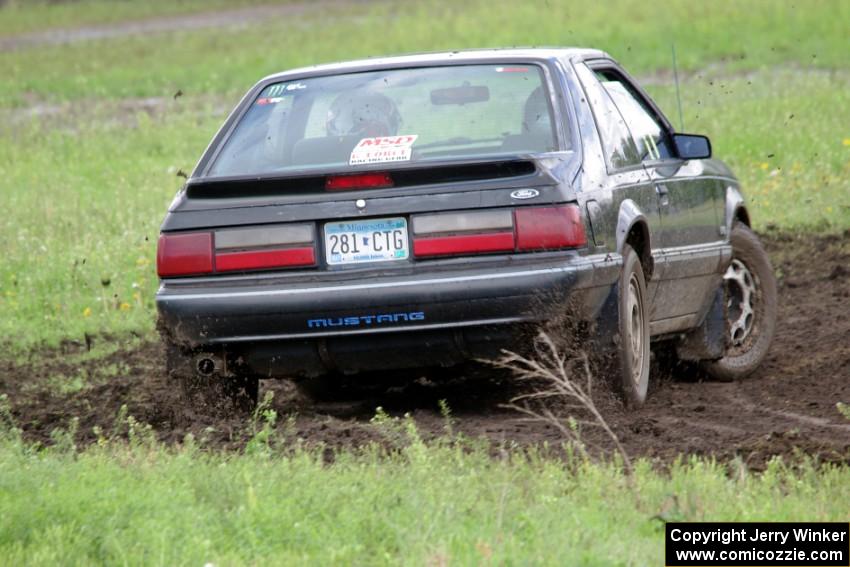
pixel 415 211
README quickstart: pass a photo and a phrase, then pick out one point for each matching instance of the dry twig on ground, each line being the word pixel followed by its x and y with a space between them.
pixel 565 377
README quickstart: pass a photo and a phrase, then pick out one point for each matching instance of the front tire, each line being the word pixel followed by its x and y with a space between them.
pixel 629 370
pixel 750 308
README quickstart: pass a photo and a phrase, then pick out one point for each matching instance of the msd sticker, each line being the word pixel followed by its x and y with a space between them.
pixel 382 149
pixel 269 100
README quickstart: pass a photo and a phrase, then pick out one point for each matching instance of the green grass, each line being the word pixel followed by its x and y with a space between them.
pixel 786 135
pixel 229 60
pixel 447 502
pixel 79 238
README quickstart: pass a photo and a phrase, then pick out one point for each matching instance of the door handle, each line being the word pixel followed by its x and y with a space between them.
pixel 663 194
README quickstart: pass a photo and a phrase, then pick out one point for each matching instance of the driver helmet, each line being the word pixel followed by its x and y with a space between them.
pixel 368 115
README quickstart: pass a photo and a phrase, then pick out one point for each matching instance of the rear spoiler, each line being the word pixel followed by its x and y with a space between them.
pixel 218 188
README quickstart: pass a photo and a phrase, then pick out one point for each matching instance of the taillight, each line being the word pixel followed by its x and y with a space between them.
pixel 549 228
pixel 184 254
pixel 502 230
pixel 264 248
pixel 263 259
pixel 358 181
pixel 463 233
pixel 464 244
pixel 199 253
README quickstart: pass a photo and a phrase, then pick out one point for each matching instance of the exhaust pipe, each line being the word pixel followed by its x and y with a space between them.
pixel 207 364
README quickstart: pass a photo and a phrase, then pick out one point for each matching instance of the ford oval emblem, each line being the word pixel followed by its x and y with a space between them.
pixel 523 194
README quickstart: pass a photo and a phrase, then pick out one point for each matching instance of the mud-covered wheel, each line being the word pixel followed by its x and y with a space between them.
pixel 629 368
pixel 750 288
pixel 206 387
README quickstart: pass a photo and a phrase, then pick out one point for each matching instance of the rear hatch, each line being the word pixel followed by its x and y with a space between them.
pixel 385 168
pixel 386 219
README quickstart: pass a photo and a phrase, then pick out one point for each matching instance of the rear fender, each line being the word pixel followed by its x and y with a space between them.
pixel 607 329
pixel 736 207
pixel 630 217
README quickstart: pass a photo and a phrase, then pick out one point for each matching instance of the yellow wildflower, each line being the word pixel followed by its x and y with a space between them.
pixel 124 306
pixel 846 141
pixel 87 312
pixel 764 165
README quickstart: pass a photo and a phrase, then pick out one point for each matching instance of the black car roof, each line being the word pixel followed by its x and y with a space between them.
pixel 428 59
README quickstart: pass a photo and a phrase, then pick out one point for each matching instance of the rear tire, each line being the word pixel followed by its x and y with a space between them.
pixel 750 308
pixel 324 388
pixel 629 367
pixel 219 391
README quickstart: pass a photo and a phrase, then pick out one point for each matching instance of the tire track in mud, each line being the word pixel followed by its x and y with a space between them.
pixel 792 417
pixel 785 408
pixel 176 23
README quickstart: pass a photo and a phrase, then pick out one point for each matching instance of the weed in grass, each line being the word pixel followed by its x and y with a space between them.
pixel 69 385
pixel 843 409
pixel 263 424
pixel 562 379
pixel 64 440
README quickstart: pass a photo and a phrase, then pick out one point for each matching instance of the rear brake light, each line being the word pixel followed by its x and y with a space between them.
pixel 262 259
pixel 549 228
pixel 265 247
pixel 464 244
pixel 230 250
pixel 184 254
pixel 478 232
pixel 358 181
pixel 499 230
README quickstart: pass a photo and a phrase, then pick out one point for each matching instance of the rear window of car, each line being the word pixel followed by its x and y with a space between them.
pixel 389 116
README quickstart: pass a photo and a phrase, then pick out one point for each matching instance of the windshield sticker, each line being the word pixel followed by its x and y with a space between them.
pixel 382 149
pixel 283 88
pixel 274 100
pixel 512 69
pixel 275 93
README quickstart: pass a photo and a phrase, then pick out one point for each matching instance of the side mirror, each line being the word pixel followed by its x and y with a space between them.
pixel 692 146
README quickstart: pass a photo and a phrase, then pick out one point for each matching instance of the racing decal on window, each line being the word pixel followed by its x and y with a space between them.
pixel 271 100
pixel 651 147
pixel 382 149
pixel 274 93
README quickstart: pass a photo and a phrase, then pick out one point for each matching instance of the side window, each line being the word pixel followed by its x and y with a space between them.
pixel 649 134
pixel 617 143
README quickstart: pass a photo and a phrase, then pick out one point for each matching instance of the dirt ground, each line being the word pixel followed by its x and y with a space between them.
pixel 170 24
pixel 787 408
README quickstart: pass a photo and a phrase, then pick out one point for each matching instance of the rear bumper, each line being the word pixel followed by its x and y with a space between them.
pixel 316 315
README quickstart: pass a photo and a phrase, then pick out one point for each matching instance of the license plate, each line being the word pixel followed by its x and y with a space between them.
pixel 361 241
